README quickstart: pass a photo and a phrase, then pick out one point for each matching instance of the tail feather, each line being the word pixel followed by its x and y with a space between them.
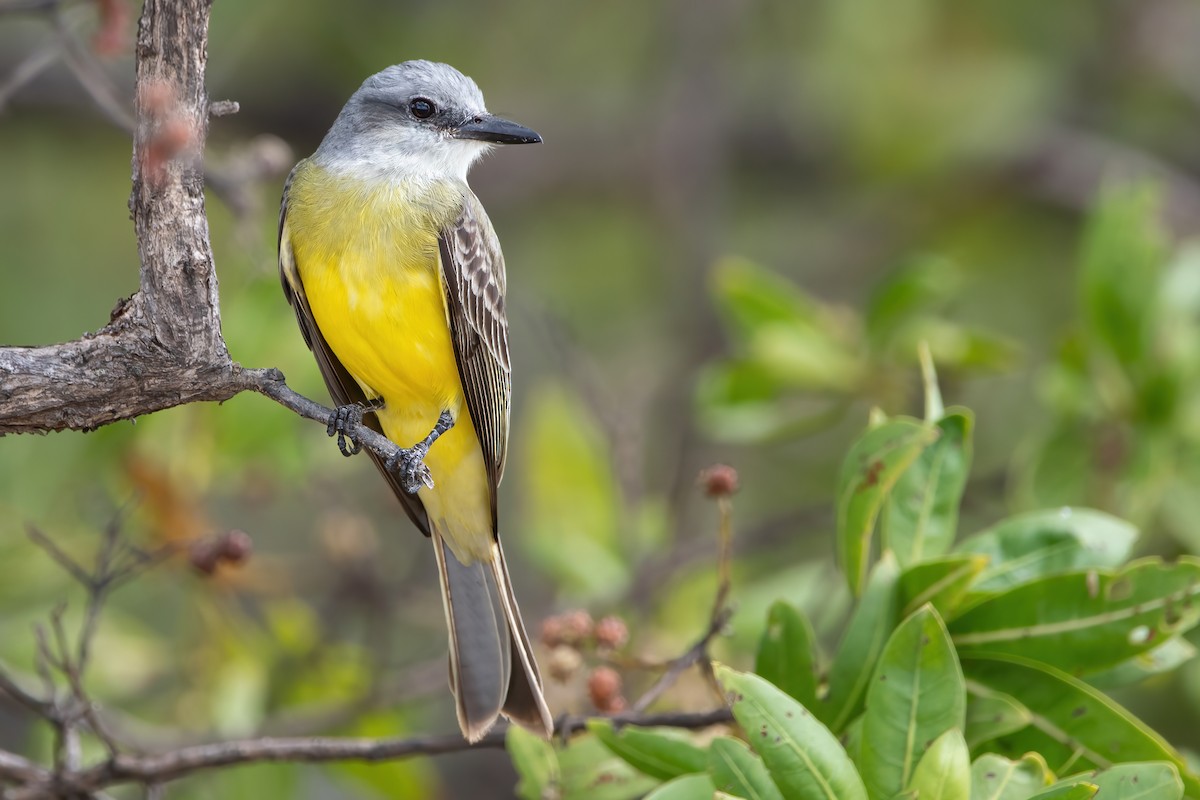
pixel 479 655
pixel 524 703
pixel 492 670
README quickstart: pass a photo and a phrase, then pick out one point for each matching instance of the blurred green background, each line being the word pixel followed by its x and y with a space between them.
pixel 745 216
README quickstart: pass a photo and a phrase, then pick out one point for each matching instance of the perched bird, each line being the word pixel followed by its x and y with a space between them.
pixel 397 280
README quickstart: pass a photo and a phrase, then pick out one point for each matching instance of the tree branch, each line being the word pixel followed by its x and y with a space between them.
pixel 177 764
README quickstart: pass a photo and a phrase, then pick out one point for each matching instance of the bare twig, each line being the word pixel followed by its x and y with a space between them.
pixel 15 769
pixel 158 769
pixel 718 617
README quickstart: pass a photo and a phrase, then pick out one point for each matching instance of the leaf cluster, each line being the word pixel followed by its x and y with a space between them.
pixel 970 668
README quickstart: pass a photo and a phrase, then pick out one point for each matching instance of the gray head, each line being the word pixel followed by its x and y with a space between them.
pixel 417 118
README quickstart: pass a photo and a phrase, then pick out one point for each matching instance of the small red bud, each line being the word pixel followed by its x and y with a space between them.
pixel 552 631
pixel 719 480
pixel 577 626
pixel 203 556
pixel 236 547
pixel 604 688
pixel 611 633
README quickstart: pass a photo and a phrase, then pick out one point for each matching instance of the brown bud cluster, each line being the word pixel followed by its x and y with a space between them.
pixel 572 628
pixel 569 636
pixel 719 480
pixel 231 547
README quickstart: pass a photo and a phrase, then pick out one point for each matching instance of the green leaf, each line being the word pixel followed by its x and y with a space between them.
pixel 740 400
pixel 535 761
pixel 590 771
pixel 737 771
pixel 662 753
pixel 785 653
pixel 916 695
pixel 805 760
pixel 941 582
pixel 944 772
pixel 935 408
pixel 1071 723
pixel 992 714
pixel 1169 655
pixel 871 468
pixel 1123 252
pixel 994 777
pixel 687 787
pixel 1155 780
pixel 1075 791
pixel 749 296
pixel 797 340
pixel 866 634
pixel 921 514
pixel 1086 621
pixel 1043 543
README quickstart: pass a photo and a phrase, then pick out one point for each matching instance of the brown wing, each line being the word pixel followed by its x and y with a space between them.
pixel 342 387
pixel 473 275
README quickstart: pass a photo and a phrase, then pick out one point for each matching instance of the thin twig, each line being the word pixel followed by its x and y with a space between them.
pixel 15 769
pixel 697 654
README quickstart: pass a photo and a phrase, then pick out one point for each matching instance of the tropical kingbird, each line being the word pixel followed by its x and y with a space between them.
pixel 397 280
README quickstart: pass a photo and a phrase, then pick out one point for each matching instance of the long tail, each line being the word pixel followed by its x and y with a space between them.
pixel 492 670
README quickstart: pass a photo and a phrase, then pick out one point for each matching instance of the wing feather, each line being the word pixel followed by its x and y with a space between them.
pixel 473 275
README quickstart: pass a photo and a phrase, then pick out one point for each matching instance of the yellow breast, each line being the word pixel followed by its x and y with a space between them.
pixel 367 254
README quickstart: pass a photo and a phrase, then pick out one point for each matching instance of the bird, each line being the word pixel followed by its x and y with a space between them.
pixel 398 283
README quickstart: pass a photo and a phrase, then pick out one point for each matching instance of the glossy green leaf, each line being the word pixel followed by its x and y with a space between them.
pixel 1043 543
pixel 686 787
pixel 662 753
pixel 1086 621
pixel 1071 723
pixel 944 772
pixel 871 468
pixel 852 739
pixel 916 695
pixel 920 516
pixel 995 777
pixel 1075 791
pixel 786 653
pixel 866 634
pixel 535 761
pixel 739 772
pixel 1169 655
pixel 805 760
pixel 1141 781
pixel 991 714
pixel 941 582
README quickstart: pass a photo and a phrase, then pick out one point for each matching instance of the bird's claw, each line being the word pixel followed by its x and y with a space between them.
pixel 343 423
pixel 409 465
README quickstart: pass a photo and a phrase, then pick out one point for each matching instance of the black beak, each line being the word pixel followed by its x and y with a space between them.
pixel 487 128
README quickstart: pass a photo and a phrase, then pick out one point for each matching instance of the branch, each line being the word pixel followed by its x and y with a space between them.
pixel 155 769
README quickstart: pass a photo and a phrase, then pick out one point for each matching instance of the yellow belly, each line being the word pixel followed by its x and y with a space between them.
pixel 376 294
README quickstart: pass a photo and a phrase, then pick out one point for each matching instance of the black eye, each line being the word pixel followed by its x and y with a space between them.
pixel 421 108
